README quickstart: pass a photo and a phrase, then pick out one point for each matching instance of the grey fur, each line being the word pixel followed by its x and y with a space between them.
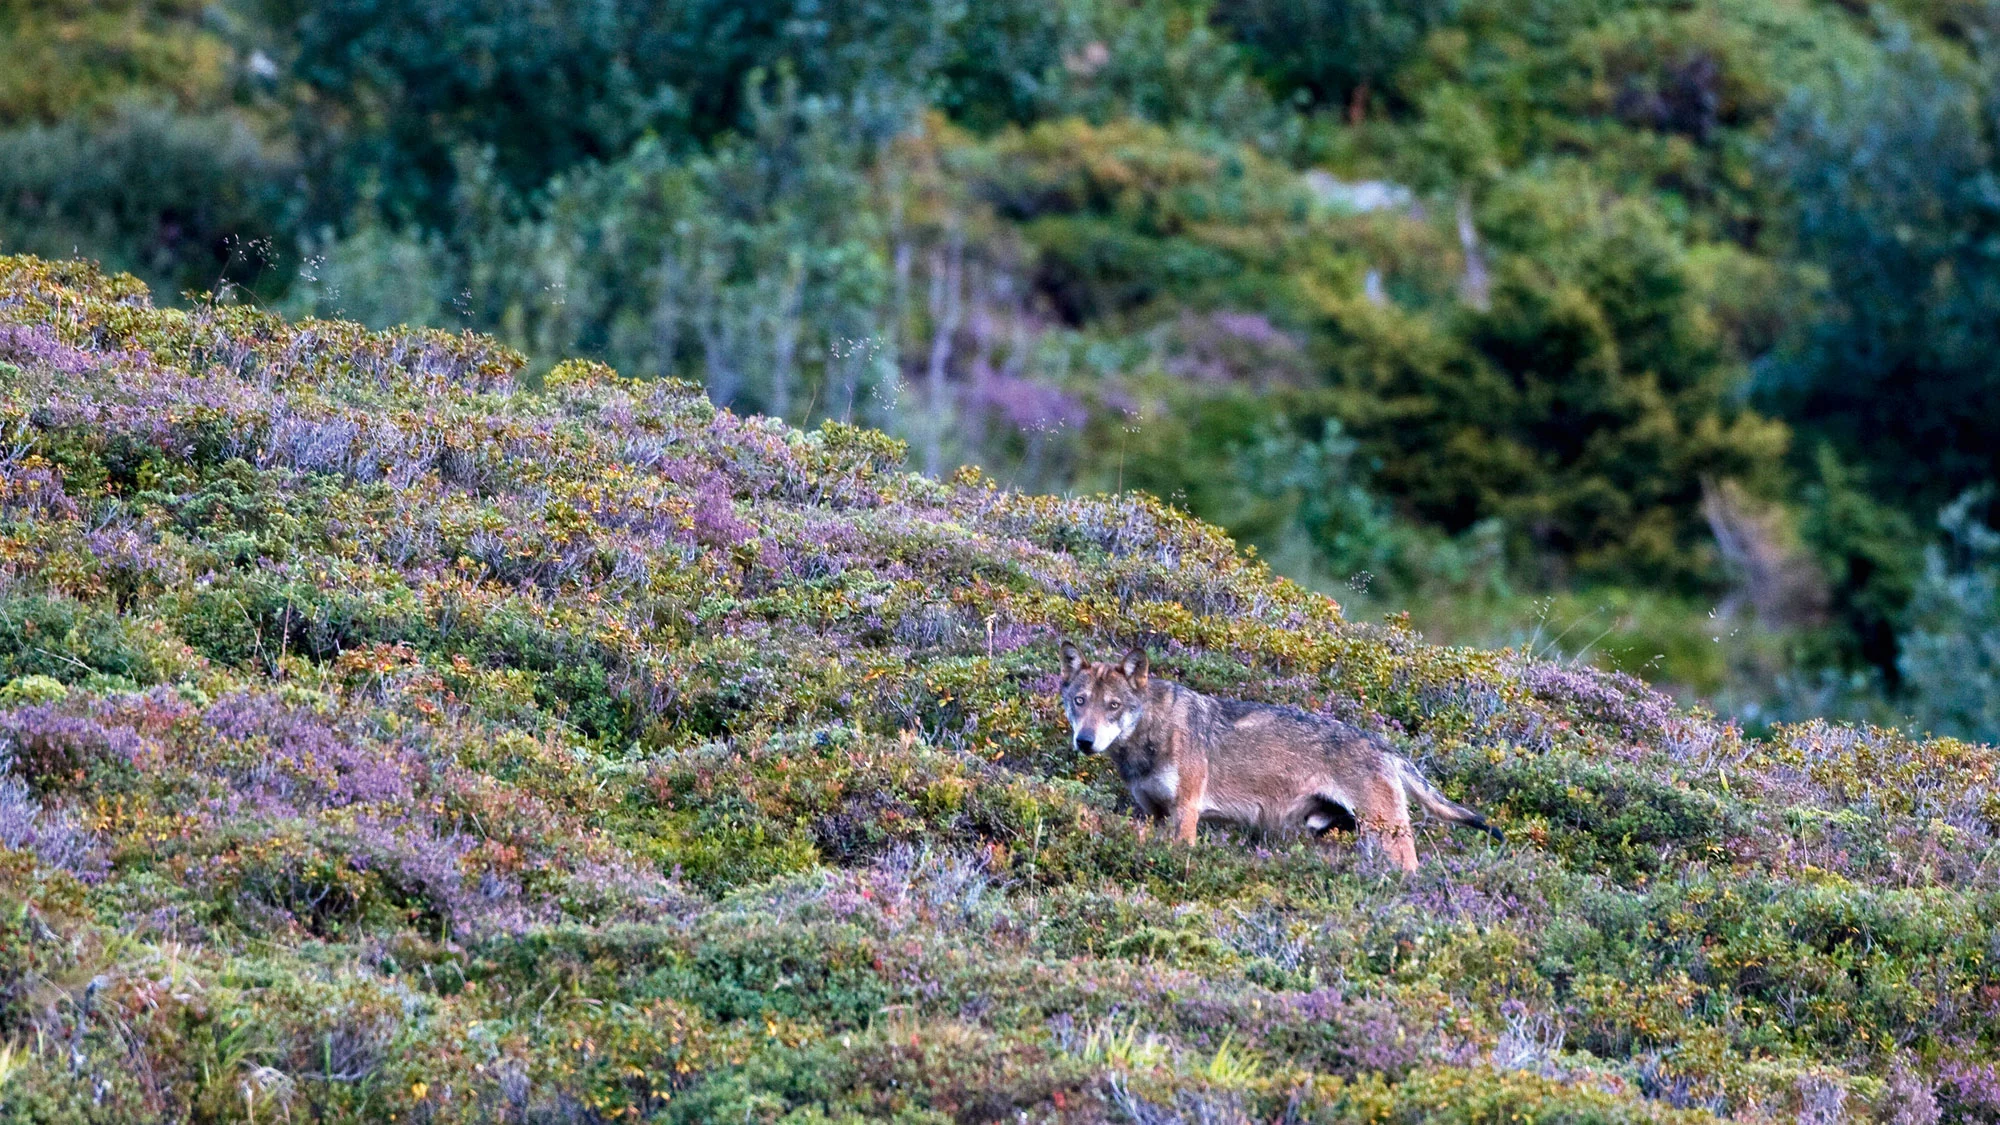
pixel 1189 756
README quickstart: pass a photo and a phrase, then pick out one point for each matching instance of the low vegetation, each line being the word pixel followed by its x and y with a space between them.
pixel 389 739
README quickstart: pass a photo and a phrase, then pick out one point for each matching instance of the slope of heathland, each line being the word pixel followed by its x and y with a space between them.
pixel 388 739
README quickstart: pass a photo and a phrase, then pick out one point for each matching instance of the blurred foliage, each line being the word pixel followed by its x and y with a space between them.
pixel 1951 657
pixel 59 58
pixel 192 202
pixel 1898 191
pixel 396 90
pixel 1583 406
pixel 1334 52
pixel 1871 553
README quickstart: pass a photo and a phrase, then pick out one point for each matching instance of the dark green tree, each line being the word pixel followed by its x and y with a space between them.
pixel 1897 200
pixel 1584 406
pixel 1872 556
pixel 186 202
pixel 396 89
pixel 1334 52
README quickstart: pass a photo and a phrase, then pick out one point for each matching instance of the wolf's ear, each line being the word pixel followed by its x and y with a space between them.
pixel 1136 666
pixel 1072 659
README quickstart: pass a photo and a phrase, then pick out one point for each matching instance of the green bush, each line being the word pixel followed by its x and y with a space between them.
pixel 189 202
pixel 1948 657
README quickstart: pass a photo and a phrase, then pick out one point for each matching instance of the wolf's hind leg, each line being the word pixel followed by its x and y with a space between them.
pixel 1387 821
pixel 1401 845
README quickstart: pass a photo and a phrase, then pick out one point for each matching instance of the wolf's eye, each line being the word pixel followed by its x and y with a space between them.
pixel 1112 706
pixel 1080 701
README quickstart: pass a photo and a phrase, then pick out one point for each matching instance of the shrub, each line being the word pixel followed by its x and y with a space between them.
pixel 190 202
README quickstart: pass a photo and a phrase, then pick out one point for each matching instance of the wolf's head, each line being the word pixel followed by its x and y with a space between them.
pixel 1103 701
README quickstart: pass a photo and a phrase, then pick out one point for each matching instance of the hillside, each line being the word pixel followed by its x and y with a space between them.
pixel 390 740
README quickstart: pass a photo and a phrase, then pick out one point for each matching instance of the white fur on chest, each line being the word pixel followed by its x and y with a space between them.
pixel 1163 785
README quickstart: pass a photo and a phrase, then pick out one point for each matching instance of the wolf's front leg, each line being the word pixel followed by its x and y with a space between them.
pixel 1147 811
pixel 1192 787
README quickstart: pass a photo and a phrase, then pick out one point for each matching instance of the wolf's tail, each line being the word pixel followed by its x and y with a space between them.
pixel 1437 804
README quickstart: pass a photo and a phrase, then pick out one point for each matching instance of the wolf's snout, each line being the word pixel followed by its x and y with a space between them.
pixel 1085 742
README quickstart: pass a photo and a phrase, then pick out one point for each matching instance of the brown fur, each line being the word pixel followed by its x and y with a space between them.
pixel 1185 756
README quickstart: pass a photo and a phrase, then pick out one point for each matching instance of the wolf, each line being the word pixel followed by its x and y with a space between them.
pixel 1184 756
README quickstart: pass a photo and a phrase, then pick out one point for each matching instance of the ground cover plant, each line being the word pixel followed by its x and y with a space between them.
pixel 387 737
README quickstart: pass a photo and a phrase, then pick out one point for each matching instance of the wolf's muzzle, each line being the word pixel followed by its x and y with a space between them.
pixel 1085 743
